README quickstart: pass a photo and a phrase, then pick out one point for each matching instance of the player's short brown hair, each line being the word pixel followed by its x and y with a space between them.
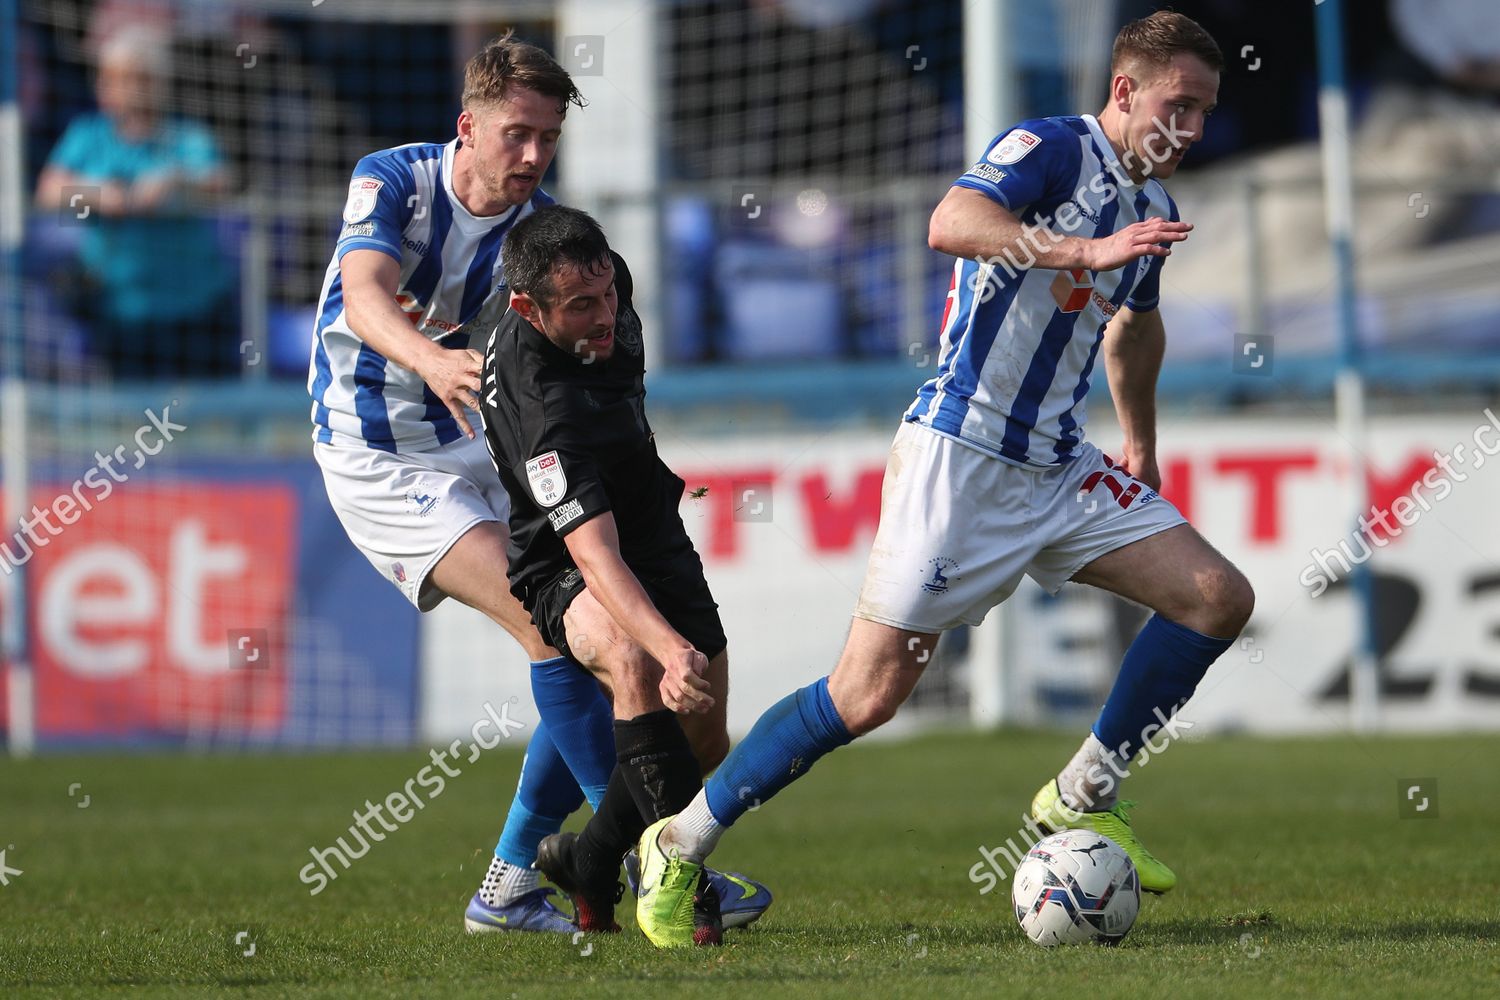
pixel 552 237
pixel 1151 42
pixel 505 63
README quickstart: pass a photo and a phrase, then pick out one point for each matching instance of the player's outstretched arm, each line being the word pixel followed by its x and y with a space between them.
pixel 1134 344
pixel 968 224
pixel 370 281
pixel 595 548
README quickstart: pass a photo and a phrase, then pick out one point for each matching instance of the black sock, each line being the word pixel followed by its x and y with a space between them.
pixel 658 763
pixel 655 776
pixel 613 829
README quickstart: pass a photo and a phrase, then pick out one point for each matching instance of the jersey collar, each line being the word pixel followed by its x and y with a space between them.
pixel 1107 152
pixel 461 215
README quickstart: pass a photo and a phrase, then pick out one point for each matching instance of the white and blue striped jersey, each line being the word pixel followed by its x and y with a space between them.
pixel 401 203
pixel 1019 344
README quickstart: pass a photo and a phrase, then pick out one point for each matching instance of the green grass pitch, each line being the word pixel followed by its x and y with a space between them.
pixel 1298 878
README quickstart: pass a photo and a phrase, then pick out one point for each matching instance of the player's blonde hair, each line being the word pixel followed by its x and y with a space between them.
pixel 505 63
pixel 1148 45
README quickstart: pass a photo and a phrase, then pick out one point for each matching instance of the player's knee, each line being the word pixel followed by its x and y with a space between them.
pixel 634 672
pixel 1228 599
pixel 871 711
pixel 536 648
pixel 869 685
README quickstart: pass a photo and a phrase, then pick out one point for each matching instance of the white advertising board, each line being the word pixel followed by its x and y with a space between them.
pixel 786 522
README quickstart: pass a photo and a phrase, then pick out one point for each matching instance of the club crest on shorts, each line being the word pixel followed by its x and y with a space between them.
pixel 421 503
pixel 548 483
pixel 938 580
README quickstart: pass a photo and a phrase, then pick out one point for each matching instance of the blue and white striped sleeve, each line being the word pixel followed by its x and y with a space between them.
pixel 1035 161
pixel 1146 295
pixel 379 206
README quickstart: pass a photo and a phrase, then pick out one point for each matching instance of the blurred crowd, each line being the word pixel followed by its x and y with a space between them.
pixel 144 160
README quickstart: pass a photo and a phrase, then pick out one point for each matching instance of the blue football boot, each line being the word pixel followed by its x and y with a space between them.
pixel 532 911
pixel 742 900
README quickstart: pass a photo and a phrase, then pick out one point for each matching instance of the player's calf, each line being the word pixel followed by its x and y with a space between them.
pixel 877 672
pixel 707 732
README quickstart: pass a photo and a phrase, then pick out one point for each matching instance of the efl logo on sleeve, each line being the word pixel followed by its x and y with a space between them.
pixel 1015 145
pixel 548 483
pixel 362 192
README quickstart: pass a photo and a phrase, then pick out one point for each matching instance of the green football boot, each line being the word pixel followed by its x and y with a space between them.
pixel 670 894
pixel 1054 816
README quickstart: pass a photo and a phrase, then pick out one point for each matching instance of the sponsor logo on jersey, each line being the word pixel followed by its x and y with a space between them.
pixel 1088 213
pixel 548 482
pixel 413 308
pixel 1071 290
pixel 1016 144
pixel 362 192
pixel 418 247
pixel 986 172
pixel 565 515
pixel 357 229
pixel 411 305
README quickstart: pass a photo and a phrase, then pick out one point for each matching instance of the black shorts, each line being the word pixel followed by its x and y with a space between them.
pixel 677 588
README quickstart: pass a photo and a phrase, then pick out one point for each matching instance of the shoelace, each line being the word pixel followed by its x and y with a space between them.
pixel 538 901
pixel 678 873
pixel 536 898
pixel 1120 830
pixel 679 876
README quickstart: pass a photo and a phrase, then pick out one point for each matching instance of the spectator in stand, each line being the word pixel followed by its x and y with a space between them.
pixel 153 287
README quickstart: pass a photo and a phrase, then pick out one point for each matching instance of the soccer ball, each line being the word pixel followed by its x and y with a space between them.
pixel 1076 886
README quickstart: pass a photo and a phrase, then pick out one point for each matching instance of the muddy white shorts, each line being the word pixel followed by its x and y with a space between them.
pixel 405 511
pixel 959 528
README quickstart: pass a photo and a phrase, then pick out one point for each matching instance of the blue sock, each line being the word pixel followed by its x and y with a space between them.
pixel 785 742
pixel 580 719
pixel 546 795
pixel 1160 671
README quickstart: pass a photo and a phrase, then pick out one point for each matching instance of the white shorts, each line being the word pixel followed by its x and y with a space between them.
pixel 405 511
pixel 959 528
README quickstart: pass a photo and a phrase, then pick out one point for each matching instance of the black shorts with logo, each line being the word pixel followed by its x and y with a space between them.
pixel 677 588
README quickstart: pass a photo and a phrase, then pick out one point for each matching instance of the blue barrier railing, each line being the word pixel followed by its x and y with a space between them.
pixel 825 392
